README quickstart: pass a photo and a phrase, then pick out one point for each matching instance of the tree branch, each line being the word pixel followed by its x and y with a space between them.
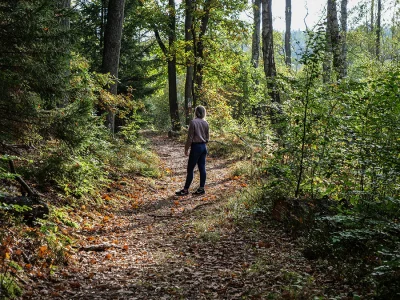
pixel 160 42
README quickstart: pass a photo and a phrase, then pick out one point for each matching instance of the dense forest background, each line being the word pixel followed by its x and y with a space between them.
pixel 314 113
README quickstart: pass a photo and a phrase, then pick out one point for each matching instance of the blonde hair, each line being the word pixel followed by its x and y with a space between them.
pixel 200 112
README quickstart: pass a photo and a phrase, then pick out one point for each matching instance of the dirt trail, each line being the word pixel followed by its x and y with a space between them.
pixel 177 248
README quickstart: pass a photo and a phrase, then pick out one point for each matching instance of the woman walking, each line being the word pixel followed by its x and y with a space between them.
pixel 198 136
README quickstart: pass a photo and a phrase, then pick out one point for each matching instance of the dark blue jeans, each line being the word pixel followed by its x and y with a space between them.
pixel 197 156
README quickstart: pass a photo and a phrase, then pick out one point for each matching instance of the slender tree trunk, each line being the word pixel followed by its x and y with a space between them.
pixel 327 64
pixel 189 62
pixel 199 57
pixel 378 31
pixel 255 45
pixel 171 57
pixel 288 18
pixel 372 16
pixel 333 51
pixel 343 23
pixel 335 38
pixel 112 47
pixel 269 61
pixel 173 93
pixel 103 16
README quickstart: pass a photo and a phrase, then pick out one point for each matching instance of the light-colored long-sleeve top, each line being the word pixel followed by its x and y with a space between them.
pixel 198 132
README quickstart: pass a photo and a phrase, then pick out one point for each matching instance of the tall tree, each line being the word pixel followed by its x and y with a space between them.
pixel 378 30
pixel 198 42
pixel 288 19
pixel 343 35
pixel 332 42
pixel 171 57
pixel 189 59
pixel 103 21
pixel 269 60
pixel 112 47
pixel 255 45
pixel 372 16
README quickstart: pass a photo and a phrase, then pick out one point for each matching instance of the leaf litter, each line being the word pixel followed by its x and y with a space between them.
pixel 148 246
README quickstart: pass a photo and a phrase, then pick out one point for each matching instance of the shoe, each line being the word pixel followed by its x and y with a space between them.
pixel 199 191
pixel 182 192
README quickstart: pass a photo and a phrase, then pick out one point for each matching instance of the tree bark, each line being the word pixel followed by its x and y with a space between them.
pixel 112 48
pixel 199 55
pixel 378 31
pixel 343 23
pixel 255 45
pixel 269 60
pixel 173 93
pixel 189 62
pixel 103 16
pixel 332 42
pixel 288 19
pixel 171 57
pixel 372 16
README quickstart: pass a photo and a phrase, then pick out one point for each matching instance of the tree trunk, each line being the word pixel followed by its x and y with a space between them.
pixel 333 50
pixel 189 62
pixel 255 45
pixel 269 60
pixel 288 18
pixel 65 21
pixel 378 31
pixel 372 16
pixel 112 47
pixel 343 22
pixel 199 55
pixel 171 57
pixel 103 16
pixel 173 93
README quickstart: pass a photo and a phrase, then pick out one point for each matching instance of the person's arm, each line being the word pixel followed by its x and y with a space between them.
pixel 207 133
pixel 189 137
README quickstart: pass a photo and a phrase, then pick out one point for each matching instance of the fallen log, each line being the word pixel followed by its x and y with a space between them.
pixel 36 209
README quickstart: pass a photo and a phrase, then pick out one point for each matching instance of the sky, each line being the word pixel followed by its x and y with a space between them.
pixel 299 11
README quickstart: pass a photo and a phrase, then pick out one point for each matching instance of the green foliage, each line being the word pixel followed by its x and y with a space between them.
pixel 9 288
pixel 135 159
pixel 136 68
pixel 366 236
pixel 157 110
pixel 34 64
pixel 61 215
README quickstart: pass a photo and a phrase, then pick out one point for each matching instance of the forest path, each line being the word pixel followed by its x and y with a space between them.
pixel 160 246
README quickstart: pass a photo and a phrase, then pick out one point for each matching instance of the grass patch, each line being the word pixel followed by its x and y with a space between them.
pixel 209 228
pixel 242 168
pixel 136 159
